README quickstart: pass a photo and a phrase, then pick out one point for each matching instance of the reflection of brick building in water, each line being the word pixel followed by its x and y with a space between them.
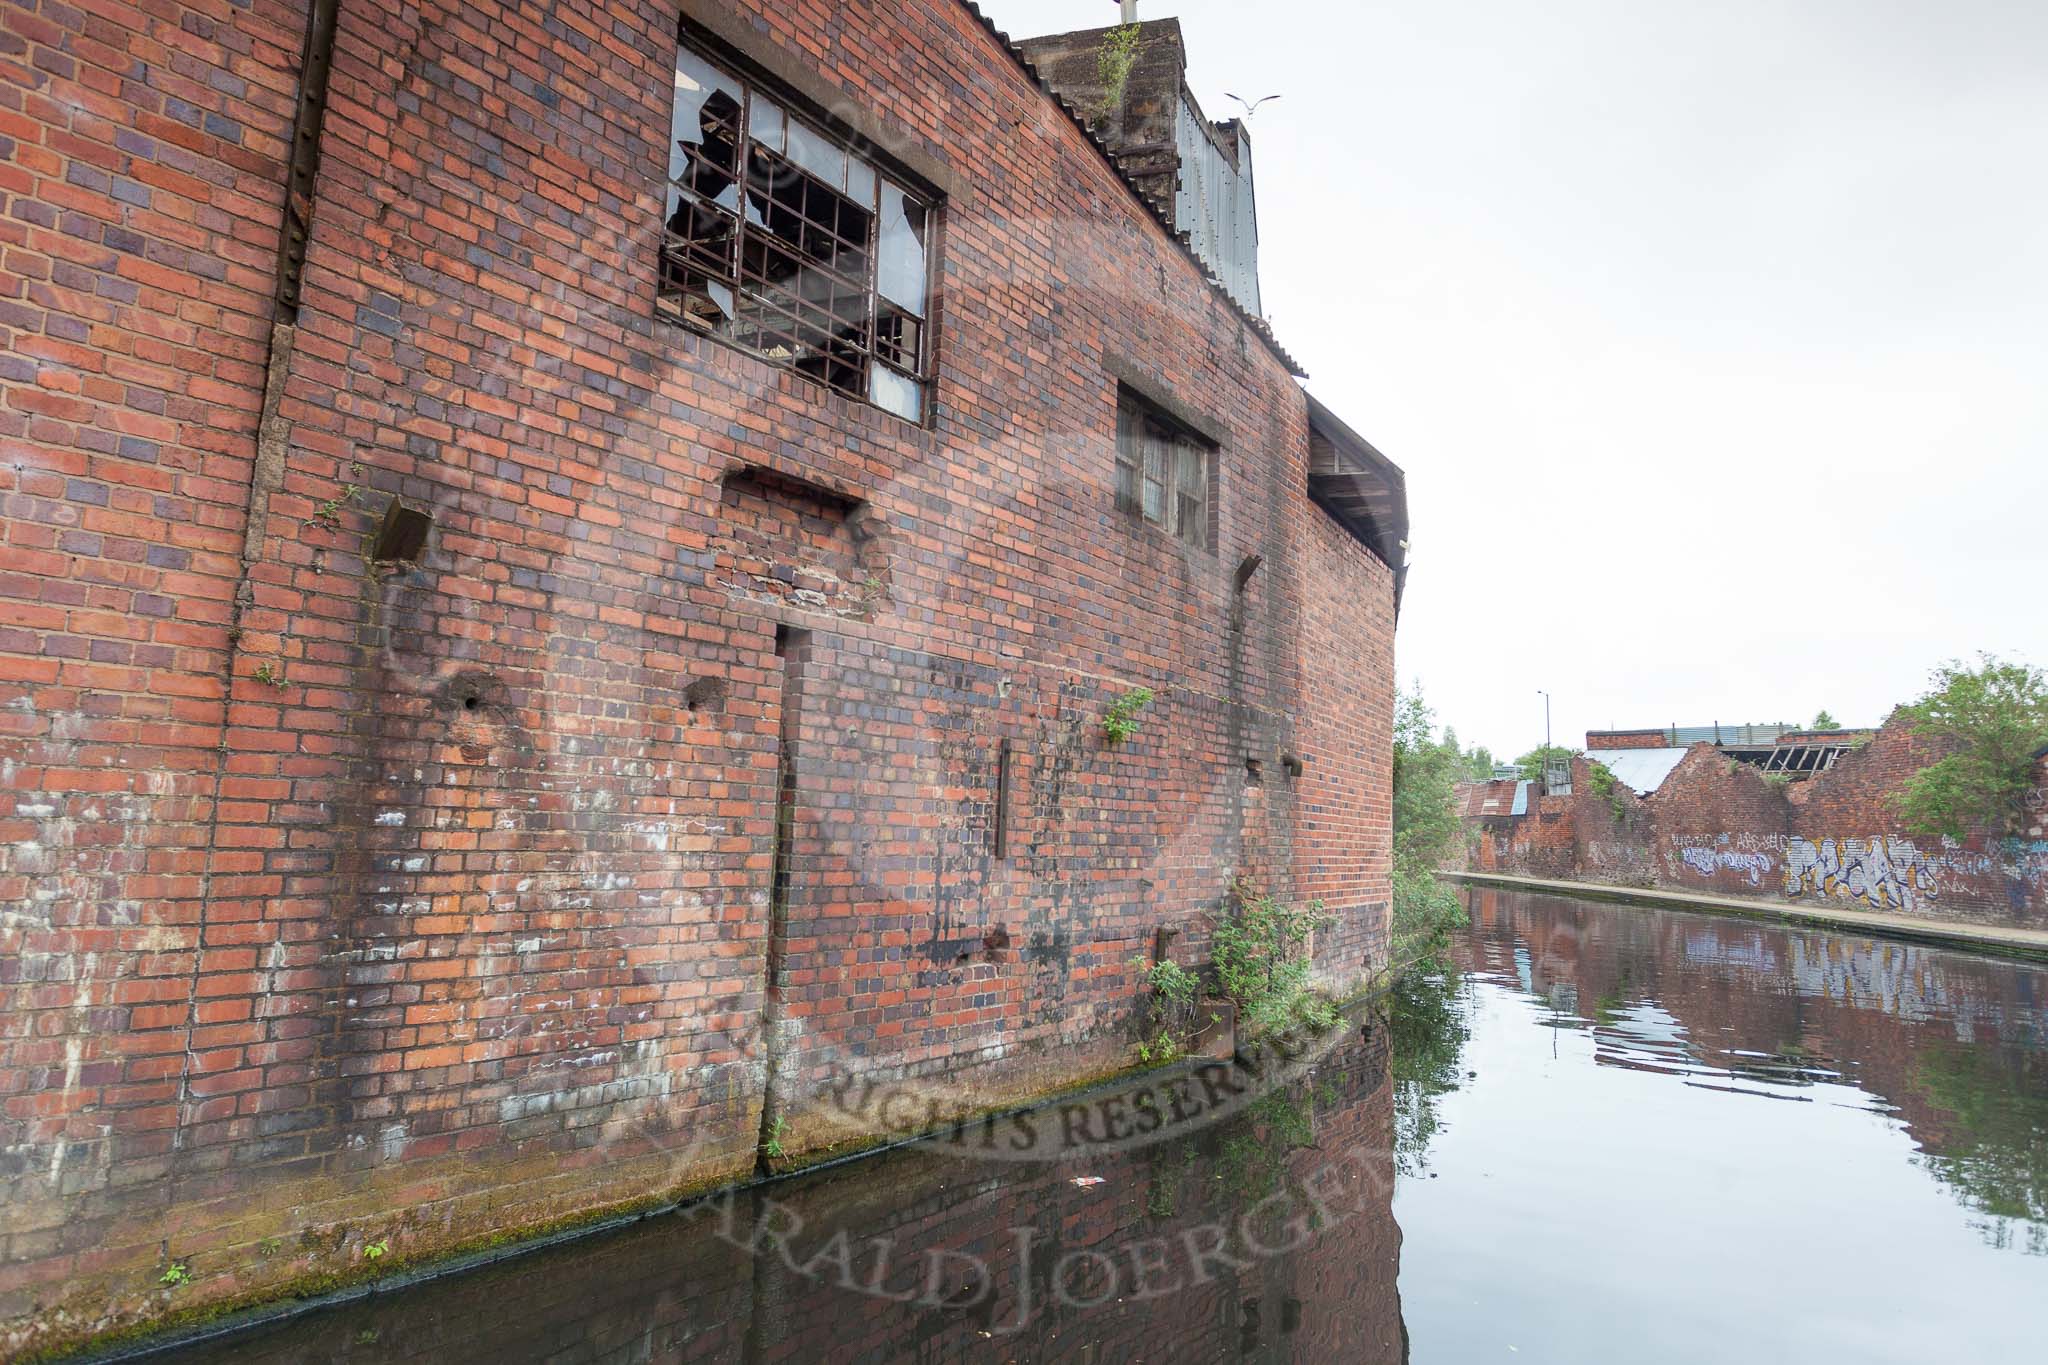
pixel 1887 1015
pixel 679 1288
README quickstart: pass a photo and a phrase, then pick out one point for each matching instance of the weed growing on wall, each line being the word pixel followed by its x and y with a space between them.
pixel 1608 788
pixel 1120 720
pixel 1113 62
pixel 1173 1005
pixel 1262 963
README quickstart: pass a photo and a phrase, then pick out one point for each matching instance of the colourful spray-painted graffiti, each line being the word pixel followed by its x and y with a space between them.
pixel 1877 873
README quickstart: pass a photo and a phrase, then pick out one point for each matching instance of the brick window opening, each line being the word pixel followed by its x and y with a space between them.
pixel 785 242
pixel 1163 471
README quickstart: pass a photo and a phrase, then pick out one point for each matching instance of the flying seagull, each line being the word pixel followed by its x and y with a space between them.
pixel 1251 106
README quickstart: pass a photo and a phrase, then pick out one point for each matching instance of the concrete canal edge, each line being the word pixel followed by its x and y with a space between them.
pixel 2001 940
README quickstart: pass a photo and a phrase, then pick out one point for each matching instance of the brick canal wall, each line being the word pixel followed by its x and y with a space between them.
pixel 354 903
pixel 1204 1240
pixel 1715 825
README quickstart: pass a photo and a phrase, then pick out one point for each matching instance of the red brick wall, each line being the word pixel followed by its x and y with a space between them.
pixel 141 168
pixel 1626 739
pixel 448 887
pixel 1716 824
pixel 1345 721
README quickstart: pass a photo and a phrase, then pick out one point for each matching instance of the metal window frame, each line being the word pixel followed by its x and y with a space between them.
pixel 1140 423
pixel 685 257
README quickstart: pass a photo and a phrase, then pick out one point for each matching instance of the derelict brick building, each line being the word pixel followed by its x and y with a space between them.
pixel 559 596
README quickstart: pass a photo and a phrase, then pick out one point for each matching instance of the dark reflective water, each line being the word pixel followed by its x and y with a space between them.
pixel 1644 1136
pixel 1619 1134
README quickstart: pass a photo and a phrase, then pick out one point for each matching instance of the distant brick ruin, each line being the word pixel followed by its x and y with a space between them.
pixel 1714 821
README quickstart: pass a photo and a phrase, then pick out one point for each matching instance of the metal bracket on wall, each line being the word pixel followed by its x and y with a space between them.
pixel 314 67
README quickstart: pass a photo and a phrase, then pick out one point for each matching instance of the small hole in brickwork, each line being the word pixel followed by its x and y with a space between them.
pixel 469 703
pixel 1254 772
pixel 705 694
pixel 403 535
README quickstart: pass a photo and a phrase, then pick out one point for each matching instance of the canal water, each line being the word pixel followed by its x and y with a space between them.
pixel 1599 1134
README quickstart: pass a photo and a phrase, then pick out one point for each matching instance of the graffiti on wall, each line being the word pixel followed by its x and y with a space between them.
pixel 1708 861
pixel 1747 855
pixel 1878 873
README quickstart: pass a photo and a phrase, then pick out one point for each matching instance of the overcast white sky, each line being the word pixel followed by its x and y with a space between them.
pixel 1713 338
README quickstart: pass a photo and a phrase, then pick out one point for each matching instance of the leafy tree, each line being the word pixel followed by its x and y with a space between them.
pixel 1531 763
pixel 1996 716
pixel 1824 721
pixel 1474 764
pixel 1427 831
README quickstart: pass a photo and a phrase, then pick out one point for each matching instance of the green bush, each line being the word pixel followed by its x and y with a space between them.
pixel 1262 966
pixel 1173 1007
pixel 1427 832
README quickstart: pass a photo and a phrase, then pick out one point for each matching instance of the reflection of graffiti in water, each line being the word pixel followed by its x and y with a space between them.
pixel 1877 873
pixel 1707 861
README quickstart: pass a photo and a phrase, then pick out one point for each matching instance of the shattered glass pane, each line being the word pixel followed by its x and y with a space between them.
pixel 706 117
pixel 900 273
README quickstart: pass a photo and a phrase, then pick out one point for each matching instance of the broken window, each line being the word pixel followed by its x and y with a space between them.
pixel 782 240
pixel 1162 471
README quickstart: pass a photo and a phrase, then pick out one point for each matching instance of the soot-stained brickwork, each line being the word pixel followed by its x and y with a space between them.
pixel 407 903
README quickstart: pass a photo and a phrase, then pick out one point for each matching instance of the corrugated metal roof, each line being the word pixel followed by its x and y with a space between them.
pixel 1162 212
pixel 1642 771
pixel 1482 799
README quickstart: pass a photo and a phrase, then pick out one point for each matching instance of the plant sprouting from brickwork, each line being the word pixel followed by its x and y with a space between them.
pixel 1996 717
pixel 1262 963
pixel 328 513
pixel 1608 788
pixel 1120 719
pixel 1173 1003
pixel 178 1273
pixel 269 674
pixel 1113 62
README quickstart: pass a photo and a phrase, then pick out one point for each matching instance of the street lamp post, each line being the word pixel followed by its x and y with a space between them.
pixel 1546 720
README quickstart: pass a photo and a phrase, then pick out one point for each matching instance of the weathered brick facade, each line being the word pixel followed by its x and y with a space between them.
pixel 333 886
pixel 1716 825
